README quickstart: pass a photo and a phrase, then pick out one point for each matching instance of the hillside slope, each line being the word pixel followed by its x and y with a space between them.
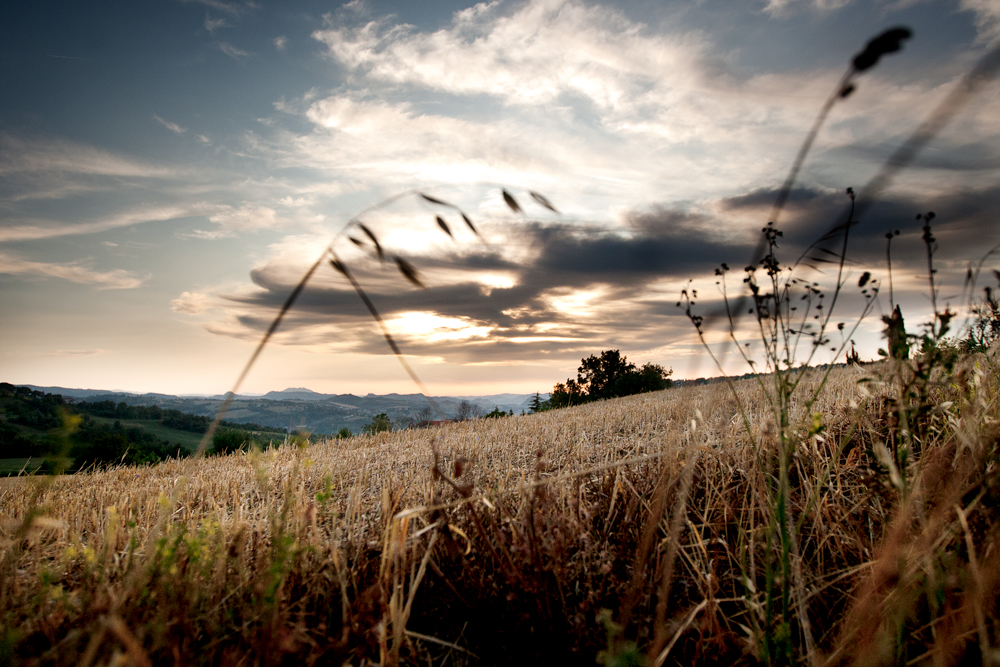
pixel 499 541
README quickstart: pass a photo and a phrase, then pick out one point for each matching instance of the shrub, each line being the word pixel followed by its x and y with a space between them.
pixel 380 423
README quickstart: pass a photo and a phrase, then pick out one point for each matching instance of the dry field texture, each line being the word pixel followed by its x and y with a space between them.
pixel 639 530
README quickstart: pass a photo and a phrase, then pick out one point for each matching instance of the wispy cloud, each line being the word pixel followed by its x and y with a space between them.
pixel 173 127
pixel 231 221
pixel 987 17
pixel 46 229
pixel 541 52
pixel 212 25
pixel 19 155
pixel 232 51
pixel 235 9
pixel 783 7
pixel 191 303
pixel 280 42
pixel 74 353
pixel 73 272
pixel 607 116
pixel 570 97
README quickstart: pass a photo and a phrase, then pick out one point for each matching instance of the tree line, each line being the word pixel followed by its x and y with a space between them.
pixel 35 424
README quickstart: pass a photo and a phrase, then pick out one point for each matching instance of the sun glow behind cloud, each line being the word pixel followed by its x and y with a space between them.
pixel 433 328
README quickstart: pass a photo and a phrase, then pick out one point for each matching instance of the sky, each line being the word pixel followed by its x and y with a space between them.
pixel 170 169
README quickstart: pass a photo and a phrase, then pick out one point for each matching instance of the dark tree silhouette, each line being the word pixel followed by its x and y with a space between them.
pixel 608 375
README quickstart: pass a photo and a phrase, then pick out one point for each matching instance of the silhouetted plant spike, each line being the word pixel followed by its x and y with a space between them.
pixel 434 200
pixel 468 223
pixel 930 243
pixel 441 202
pixel 888 260
pixel 511 202
pixel 370 235
pixel 408 271
pixel 444 226
pixel 541 199
pixel 889 41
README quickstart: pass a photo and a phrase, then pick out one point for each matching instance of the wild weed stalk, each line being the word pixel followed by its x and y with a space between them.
pixel 790 333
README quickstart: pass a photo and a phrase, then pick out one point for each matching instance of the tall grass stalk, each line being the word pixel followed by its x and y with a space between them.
pixel 780 335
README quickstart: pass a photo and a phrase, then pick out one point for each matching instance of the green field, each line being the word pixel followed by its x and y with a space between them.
pixel 185 439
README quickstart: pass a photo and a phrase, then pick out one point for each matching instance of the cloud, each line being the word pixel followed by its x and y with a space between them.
pixel 247 218
pixel 781 7
pixel 74 353
pixel 38 229
pixel 661 150
pixel 568 99
pixel 553 290
pixel 236 9
pixel 280 42
pixel 20 156
pixel 73 272
pixel 544 50
pixel 33 169
pixel 173 127
pixel 987 14
pixel 212 25
pixel 232 51
pixel 191 303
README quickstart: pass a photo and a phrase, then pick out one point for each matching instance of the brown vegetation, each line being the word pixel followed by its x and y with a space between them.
pixel 501 541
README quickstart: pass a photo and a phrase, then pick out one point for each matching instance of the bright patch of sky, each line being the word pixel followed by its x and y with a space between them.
pixel 169 171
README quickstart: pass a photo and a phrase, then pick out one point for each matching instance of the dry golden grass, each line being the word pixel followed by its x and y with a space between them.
pixel 359 551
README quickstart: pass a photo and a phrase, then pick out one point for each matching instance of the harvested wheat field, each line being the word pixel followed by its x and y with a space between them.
pixel 641 529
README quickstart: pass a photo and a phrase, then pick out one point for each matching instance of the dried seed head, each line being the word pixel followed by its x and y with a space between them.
pixel 409 272
pixel 889 41
pixel 444 226
pixel 511 202
pixel 468 223
pixel 543 200
pixel 338 265
pixel 357 242
pixel 370 235
pixel 434 200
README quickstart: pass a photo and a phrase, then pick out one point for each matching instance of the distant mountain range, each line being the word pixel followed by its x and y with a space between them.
pixel 299 407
